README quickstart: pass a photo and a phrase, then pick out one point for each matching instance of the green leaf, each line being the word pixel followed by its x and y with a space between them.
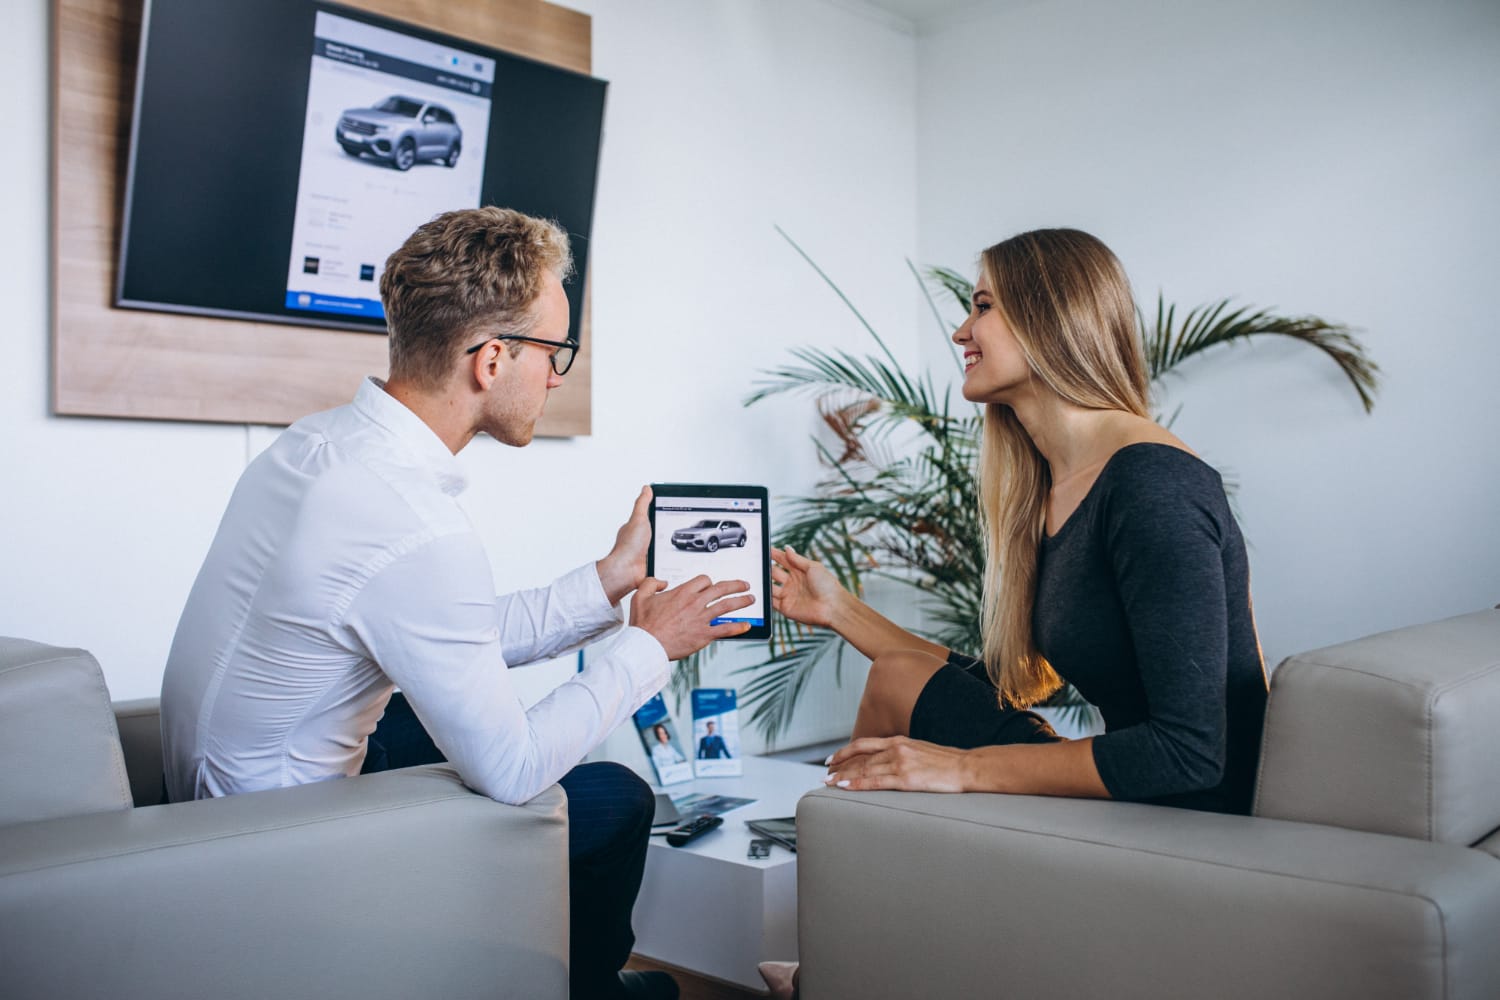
pixel 961 288
pixel 1167 344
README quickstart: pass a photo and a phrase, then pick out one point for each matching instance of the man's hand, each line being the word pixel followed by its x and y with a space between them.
pixel 679 618
pixel 625 567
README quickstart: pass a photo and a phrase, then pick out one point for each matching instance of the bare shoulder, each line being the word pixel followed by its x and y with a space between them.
pixel 1130 429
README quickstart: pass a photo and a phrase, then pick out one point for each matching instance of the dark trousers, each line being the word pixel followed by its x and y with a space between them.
pixel 609 824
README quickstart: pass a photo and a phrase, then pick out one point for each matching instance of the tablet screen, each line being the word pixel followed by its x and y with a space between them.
pixel 718 531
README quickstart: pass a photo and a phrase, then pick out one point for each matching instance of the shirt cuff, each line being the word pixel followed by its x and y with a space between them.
pixel 591 608
pixel 643 657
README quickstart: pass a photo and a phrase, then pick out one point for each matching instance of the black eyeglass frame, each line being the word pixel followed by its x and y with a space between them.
pixel 570 344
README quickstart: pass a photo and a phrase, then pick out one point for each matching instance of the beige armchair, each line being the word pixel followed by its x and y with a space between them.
pixel 403 884
pixel 1370 869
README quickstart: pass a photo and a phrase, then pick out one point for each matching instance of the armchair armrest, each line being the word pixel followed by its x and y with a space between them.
pixel 905 894
pixel 398 884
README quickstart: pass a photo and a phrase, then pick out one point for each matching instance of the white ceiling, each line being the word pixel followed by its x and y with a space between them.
pixel 921 12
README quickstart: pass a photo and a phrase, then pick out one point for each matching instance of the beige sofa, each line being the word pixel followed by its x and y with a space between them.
pixel 1371 868
pixel 401 885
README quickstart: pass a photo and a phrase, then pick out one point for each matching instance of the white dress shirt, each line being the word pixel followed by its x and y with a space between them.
pixel 344 566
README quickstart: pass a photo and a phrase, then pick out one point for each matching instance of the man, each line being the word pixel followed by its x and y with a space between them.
pixel 344 567
pixel 712 746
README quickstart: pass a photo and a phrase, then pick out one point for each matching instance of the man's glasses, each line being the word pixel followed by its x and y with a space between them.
pixel 562 359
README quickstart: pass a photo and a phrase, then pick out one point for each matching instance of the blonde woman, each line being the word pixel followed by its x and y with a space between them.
pixel 1113 562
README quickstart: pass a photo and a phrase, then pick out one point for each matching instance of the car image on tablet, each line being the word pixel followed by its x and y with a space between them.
pixel 709 535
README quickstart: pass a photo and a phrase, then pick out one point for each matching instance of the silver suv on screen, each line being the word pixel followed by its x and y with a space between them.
pixel 402 131
pixel 709 535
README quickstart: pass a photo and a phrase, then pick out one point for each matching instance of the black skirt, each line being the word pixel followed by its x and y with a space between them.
pixel 960 708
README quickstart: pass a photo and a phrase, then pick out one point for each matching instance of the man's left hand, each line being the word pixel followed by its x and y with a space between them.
pixel 622 571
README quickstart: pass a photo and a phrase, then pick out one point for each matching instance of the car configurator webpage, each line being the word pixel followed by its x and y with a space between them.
pixel 719 537
pixel 395 133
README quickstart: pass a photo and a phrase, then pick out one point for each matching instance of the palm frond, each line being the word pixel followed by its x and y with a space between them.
pixel 825 371
pixel 1167 343
pixel 842 297
pixel 774 686
pixel 946 328
pixel 1072 707
pixel 689 673
pixel 956 285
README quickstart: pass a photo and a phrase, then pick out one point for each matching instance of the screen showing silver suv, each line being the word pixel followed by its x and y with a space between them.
pixel 402 131
pixel 709 535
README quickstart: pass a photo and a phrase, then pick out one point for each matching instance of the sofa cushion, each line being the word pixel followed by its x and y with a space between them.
pixel 59 748
pixel 1395 733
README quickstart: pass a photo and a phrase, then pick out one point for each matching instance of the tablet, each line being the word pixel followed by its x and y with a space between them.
pixel 783 830
pixel 720 531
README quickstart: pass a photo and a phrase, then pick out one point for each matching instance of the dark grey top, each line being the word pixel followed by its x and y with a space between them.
pixel 1143 604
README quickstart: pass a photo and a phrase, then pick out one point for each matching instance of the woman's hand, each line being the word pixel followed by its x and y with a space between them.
pixel 802 589
pixel 897 762
pixel 900 762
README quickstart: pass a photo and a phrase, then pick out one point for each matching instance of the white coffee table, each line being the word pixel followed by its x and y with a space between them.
pixel 709 909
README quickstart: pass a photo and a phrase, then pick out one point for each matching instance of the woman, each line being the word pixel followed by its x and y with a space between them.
pixel 663 753
pixel 1113 562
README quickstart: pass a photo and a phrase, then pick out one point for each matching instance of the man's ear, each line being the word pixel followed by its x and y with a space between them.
pixel 484 365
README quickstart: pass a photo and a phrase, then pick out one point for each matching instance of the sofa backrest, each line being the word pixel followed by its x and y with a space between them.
pixel 59 748
pixel 1396 733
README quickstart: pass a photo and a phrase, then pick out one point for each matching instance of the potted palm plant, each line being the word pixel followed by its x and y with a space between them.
pixel 900 497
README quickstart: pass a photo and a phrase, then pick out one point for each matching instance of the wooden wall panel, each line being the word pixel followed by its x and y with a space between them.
pixel 109 362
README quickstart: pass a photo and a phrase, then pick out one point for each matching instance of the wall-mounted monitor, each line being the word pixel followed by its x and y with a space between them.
pixel 282 149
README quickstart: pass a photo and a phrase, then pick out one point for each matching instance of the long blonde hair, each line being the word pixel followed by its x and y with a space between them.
pixel 1067 300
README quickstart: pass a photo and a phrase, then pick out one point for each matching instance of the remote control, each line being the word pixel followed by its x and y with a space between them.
pixel 688 832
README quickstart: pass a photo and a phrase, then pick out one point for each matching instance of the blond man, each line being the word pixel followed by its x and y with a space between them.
pixel 344 568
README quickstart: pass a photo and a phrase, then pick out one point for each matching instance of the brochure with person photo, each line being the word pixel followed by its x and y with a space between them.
pixel 659 736
pixel 716 733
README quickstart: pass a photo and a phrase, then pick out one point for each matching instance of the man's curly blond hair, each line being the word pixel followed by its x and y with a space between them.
pixel 462 276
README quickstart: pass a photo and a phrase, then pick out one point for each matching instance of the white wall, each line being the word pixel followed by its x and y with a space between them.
pixel 723 119
pixel 1314 155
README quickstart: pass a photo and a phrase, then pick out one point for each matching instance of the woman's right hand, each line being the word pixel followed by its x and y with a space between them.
pixel 803 589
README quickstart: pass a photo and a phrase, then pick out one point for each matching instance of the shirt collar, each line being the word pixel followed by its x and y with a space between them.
pixel 389 413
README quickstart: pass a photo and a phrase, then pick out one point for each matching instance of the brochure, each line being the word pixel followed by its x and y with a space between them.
pixel 659 736
pixel 695 804
pixel 716 733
